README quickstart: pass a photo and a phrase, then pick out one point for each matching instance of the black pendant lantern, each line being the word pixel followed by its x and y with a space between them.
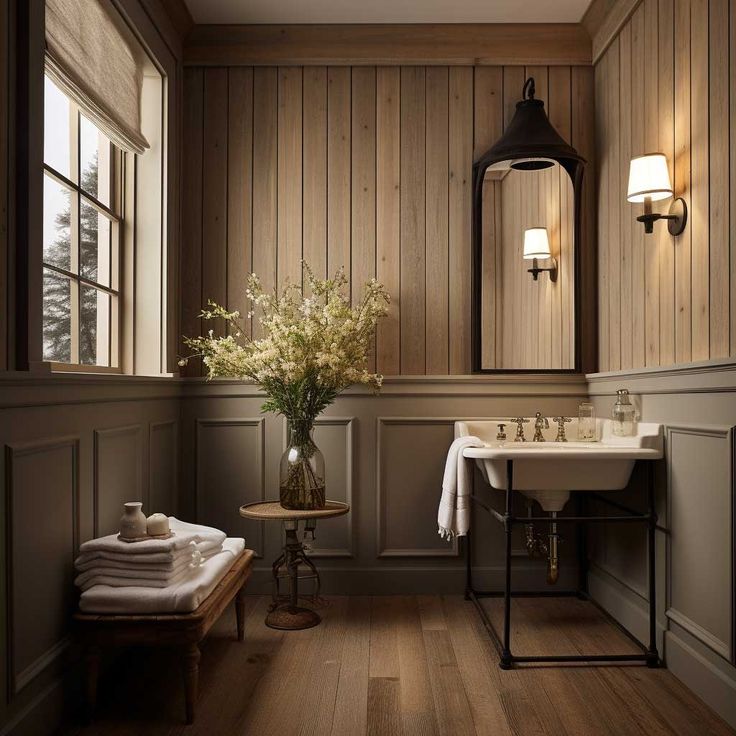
pixel 530 142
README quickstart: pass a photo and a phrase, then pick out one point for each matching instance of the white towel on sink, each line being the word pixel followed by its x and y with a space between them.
pixel 453 516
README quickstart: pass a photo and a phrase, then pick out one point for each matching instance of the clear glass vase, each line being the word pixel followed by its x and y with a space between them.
pixel 302 472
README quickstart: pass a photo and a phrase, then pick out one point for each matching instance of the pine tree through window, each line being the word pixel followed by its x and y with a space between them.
pixel 81 237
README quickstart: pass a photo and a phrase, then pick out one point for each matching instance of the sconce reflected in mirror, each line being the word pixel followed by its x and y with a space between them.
pixel 649 181
pixel 536 247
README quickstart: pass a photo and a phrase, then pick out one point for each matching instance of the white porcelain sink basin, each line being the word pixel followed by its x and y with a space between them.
pixel 548 471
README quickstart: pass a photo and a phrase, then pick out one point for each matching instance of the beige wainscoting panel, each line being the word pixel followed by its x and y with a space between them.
pixel 410 457
pixel 662 84
pixel 229 472
pixel 42 531
pixel 701 507
pixel 163 468
pixel 118 458
pixel 367 168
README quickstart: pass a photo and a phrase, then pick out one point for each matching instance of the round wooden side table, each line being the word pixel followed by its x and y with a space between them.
pixel 289 615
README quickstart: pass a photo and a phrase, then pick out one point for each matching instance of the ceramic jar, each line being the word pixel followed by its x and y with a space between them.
pixel 133 521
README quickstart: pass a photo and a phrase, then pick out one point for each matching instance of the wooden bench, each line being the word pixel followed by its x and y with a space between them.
pixel 179 630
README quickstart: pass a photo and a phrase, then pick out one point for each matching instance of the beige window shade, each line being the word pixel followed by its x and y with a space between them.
pixel 94 58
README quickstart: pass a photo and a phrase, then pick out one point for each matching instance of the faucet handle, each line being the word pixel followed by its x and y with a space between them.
pixel 519 428
pixel 561 422
pixel 501 432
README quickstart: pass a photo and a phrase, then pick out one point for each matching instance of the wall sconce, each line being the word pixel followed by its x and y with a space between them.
pixel 536 245
pixel 649 180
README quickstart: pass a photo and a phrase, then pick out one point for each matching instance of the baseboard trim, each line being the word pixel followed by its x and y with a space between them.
pixel 42 715
pixel 418 581
pixel 709 682
pixel 622 604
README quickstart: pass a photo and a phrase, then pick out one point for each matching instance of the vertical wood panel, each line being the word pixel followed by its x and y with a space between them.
pixel 487 128
pixel 583 132
pixel 338 169
pixel 604 162
pixel 363 177
pixel 314 246
pixel 625 213
pixel 560 112
pixel 537 292
pixel 719 179
pixel 214 189
pixel 460 207
pixel 289 247
pixel 265 168
pixel 191 221
pixel 413 180
pixel 683 319
pixel 436 152
pixel 665 241
pixel 239 189
pixel 638 147
pixel 363 169
pixel 614 208
pixel 388 177
pixel 700 205
pixel 651 142
pixel 732 160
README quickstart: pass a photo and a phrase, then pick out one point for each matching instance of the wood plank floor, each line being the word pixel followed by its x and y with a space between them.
pixel 402 665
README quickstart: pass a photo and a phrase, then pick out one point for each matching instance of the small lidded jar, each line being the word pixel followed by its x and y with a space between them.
pixel 586 422
pixel 624 414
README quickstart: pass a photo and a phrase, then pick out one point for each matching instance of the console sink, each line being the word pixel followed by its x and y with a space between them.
pixel 548 471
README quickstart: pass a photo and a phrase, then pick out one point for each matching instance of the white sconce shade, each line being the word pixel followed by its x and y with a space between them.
pixel 649 178
pixel 536 243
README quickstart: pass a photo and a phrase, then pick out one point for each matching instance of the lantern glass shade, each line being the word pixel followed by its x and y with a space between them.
pixel 536 243
pixel 649 178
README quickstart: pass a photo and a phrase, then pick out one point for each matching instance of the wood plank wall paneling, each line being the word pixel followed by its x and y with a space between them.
pixel 666 300
pixel 366 168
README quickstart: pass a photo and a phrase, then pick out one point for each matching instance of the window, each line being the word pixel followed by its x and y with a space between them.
pixel 81 237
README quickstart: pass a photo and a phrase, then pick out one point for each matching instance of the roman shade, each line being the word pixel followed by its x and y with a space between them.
pixel 94 58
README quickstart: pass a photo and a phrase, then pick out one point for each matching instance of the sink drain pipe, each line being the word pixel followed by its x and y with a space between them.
pixel 552 559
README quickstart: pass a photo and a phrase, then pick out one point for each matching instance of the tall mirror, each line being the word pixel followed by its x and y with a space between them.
pixel 526 231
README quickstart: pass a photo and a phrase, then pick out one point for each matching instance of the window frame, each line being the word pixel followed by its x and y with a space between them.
pixel 115 213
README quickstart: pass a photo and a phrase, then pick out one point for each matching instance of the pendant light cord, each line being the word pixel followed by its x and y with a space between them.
pixel 528 90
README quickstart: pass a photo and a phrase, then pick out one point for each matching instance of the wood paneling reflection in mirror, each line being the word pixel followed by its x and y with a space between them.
pixel 526 324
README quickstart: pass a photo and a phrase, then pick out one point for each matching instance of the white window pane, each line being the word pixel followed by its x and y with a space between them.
pixel 94 244
pixel 94 326
pixel 94 165
pixel 57 214
pixel 57 317
pixel 56 130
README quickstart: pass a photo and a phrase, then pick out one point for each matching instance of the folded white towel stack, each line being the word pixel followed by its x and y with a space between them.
pixel 111 563
pixel 183 596
pixel 453 516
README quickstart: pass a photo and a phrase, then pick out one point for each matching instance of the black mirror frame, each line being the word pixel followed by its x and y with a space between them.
pixel 574 165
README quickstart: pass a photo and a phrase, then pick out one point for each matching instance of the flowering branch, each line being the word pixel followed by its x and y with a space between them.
pixel 312 348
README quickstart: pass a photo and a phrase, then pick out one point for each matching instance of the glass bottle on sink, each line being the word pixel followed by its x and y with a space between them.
pixel 624 414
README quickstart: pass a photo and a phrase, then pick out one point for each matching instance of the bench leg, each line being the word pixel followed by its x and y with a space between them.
pixel 92 664
pixel 240 614
pixel 191 679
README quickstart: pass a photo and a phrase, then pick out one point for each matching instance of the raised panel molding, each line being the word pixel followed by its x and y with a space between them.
pixel 238 474
pixel 423 497
pixel 35 495
pixel 723 589
pixel 336 491
pixel 157 471
pixel 114 486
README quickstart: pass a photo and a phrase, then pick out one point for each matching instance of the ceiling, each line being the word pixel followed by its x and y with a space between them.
pixel 387 11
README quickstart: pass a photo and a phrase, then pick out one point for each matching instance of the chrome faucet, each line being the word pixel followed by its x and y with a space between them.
pixel 519 428
pixel 540 423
